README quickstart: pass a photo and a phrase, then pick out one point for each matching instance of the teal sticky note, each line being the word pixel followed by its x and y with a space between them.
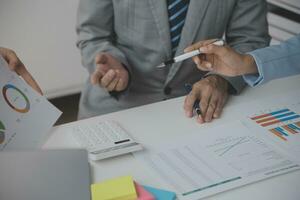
pixel 160 194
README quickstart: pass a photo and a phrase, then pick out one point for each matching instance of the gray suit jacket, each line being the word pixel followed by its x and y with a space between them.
pixel 137 33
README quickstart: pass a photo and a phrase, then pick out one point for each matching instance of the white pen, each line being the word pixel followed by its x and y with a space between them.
pixel 188 55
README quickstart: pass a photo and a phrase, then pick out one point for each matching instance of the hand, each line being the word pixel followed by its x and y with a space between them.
pixel 222 59
pixel 212 92
pixel 17 66
pixel 110 73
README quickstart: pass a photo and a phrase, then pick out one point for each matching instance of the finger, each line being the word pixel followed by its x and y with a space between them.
pixel 200 118
pixel 206 66
pixel 197 61
pixel 219 108
pixel 96 77
pixel 197 45
pixel 204 103
pixel 121 85
pixel 189 48
pixel 107 78
pixel 11 58
pixel 214 49
pixel 16 65
pixel 22 71
pixel 189 103
pixel 113 84
pixel 211 108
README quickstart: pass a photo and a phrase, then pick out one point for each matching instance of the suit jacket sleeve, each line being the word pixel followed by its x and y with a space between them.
pixel 96 33
pixel 247 31
pixel 276 62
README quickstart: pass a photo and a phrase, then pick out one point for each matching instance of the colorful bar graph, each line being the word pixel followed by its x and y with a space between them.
pixel 280 120
pixel 270 114
pixel 286 130
pixel 281 131
pixel 296 126
pixel 278 134
pixel 289 129
pixel 275 117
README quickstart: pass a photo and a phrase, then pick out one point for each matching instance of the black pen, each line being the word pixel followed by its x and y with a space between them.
pixel 196 106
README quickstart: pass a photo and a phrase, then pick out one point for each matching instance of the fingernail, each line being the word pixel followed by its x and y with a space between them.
pixel 216 116
pixel 111 72
pixel 203 49
pixel 208 65
pixel 200 120
pixel 207 120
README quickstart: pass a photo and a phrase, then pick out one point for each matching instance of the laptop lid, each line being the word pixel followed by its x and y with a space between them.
pixel 45 175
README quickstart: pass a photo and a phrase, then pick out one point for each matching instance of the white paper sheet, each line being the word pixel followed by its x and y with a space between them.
pixel 25 116
pixel 214 160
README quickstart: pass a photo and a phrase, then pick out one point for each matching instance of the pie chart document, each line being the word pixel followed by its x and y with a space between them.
pixel 26 117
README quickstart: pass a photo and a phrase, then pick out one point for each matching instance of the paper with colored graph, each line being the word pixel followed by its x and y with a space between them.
pixel 121 188
pixel 215 160
pixel 26 117
pixel 278 122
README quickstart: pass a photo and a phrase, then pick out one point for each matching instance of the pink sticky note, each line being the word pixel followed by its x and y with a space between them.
pixel 142 193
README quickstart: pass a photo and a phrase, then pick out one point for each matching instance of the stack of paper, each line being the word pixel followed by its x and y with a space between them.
pixel 124 188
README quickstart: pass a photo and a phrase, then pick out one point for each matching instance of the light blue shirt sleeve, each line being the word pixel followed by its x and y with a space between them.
pixel 275 62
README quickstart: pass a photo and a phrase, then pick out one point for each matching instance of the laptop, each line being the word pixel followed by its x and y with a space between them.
pixel 45 175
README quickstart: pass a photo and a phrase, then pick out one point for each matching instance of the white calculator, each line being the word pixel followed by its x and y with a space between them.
pixel 105 139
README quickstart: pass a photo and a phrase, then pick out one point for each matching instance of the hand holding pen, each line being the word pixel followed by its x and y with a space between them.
pixel 222 59
pixel 189 54
pixel 212 91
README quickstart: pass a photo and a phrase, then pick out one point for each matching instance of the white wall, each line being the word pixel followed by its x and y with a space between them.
pixel 42 32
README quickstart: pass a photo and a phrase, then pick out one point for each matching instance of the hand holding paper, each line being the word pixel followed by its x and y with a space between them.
pixel 17 66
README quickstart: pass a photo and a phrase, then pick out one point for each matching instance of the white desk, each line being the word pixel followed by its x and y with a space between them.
pixel 162 120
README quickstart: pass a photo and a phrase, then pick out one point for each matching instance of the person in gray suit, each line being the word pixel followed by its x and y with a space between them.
pixel 122 42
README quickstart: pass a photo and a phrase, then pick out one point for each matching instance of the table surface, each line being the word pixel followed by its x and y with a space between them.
pixel 155 122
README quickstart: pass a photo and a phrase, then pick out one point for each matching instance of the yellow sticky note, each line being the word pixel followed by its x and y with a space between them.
pixel 121 188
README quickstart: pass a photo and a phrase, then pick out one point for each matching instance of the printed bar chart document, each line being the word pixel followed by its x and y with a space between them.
pixel 25 117
pixel 215 160
pixel 278 122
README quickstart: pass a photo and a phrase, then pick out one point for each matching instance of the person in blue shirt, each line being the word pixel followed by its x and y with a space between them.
pixel 257 67
pixel 15 64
